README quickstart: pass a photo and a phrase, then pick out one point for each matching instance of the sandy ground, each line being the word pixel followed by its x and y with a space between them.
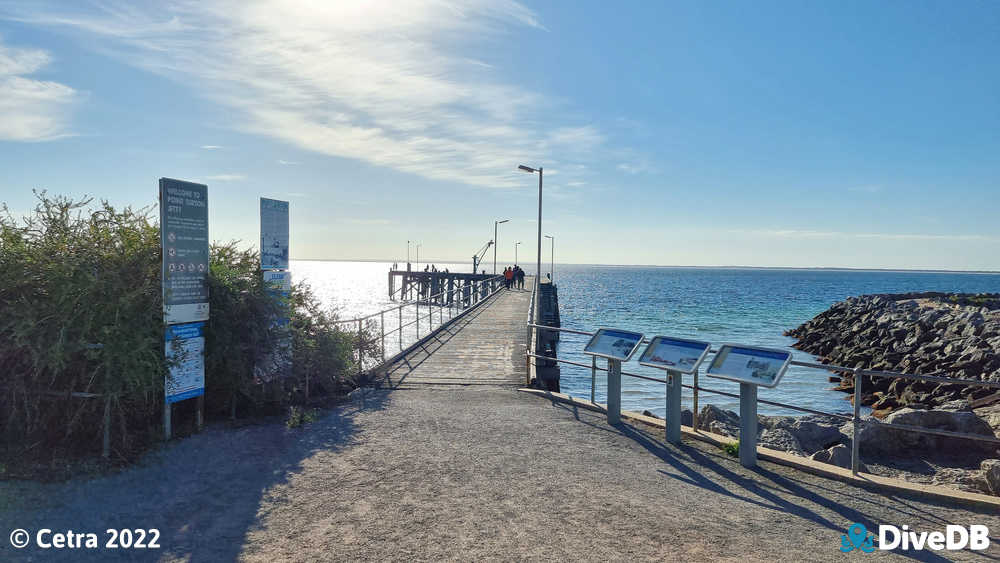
pixel 470 474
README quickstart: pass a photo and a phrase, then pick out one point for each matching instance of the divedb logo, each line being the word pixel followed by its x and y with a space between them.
pixel 975 537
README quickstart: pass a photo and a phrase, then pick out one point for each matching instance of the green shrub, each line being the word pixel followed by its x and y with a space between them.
pixel 732 449
pixel 81 310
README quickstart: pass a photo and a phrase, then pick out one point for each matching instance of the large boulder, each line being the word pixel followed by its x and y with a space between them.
pixel 877 439
pixel 991 472
pixel 719 421
pixel 781 440
pixel 814 433
pixel 839 455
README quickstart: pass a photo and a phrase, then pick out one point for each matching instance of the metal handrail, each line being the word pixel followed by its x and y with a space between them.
pixel 425 301
pixel 472 295
pixel 529 343
pixel 858 382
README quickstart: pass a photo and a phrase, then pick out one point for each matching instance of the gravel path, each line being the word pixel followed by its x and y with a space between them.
pixel 463 472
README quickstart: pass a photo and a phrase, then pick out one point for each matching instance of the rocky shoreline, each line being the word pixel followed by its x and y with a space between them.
pixel 935 460
pixel 950 335
pixel 941 334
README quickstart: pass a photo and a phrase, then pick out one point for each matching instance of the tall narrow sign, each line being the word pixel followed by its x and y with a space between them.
pixel 184 240
pixel 184 243
pixel 275 363
pixel 273 234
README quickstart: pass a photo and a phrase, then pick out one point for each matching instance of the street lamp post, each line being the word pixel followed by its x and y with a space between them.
pixel 515 252
pixel 552 259
pixel 495 242
pixel 418 256
pixel 538 256
pixel 407 255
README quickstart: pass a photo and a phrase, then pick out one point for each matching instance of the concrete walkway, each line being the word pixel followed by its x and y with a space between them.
pixel 466 472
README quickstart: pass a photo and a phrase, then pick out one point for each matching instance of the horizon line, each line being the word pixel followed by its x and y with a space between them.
pixel 703 267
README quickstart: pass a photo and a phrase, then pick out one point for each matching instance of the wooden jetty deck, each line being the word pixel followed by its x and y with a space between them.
pixel 483 347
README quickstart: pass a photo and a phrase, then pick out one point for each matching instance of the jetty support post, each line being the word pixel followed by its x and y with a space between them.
pixel 748 425
pixel 673 416
pixel 855 443
pixel 381 325
pixel 614 391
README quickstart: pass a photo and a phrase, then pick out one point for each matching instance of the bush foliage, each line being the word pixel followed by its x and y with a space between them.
pixel 81 307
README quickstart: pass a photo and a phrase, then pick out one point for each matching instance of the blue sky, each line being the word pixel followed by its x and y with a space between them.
pixel 830 134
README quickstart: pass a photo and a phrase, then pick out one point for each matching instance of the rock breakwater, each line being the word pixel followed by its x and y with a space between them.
pixel 942 334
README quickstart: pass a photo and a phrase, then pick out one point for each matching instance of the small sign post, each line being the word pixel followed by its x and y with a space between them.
pixel 752 367
pixel 617 346
pixel 676 356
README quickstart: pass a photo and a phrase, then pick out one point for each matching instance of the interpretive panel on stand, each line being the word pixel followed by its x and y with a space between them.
pixel 273 234
pixel 184 241
pixel 613 344
pixel 185 353
pixel 675 354
pixel 746 364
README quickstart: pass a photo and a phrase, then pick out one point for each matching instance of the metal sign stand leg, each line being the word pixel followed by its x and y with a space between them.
pixel 748 425
pixel 614 391
pixel 673 416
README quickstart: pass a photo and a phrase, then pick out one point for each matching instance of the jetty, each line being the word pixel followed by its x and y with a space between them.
pixel 449 457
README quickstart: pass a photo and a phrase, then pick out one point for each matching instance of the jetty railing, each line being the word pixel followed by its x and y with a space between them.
pixel 455 301
pixel 856 418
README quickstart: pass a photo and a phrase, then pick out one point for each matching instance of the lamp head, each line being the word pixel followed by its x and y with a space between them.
pixel 526 169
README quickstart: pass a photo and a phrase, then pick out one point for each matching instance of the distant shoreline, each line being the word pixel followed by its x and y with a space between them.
pixel 786 268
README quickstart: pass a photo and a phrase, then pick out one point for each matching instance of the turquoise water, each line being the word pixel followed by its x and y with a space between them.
pixel 743 306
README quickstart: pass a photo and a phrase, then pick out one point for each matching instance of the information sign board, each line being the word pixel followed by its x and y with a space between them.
pixel 277 362
pixel 273 234
pixel 184 242
pixel 746 364
pixel 675 354
pixel 613 344
pixel 185 352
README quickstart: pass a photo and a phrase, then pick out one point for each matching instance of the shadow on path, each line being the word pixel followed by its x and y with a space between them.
pixel 202 493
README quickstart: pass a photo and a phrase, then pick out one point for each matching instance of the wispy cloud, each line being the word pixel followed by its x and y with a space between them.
pixel 226 177
pixel 633 168
pixel 287 162
pixel 389 83
pixel 31 110
pixel 211 147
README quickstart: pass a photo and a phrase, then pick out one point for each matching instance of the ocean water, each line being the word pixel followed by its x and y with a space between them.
pixel 718 305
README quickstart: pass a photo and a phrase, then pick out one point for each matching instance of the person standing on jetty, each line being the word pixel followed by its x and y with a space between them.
pixel 519 274
pixel 508 276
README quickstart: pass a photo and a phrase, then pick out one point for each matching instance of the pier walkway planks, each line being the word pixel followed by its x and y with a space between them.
pixel 484 347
